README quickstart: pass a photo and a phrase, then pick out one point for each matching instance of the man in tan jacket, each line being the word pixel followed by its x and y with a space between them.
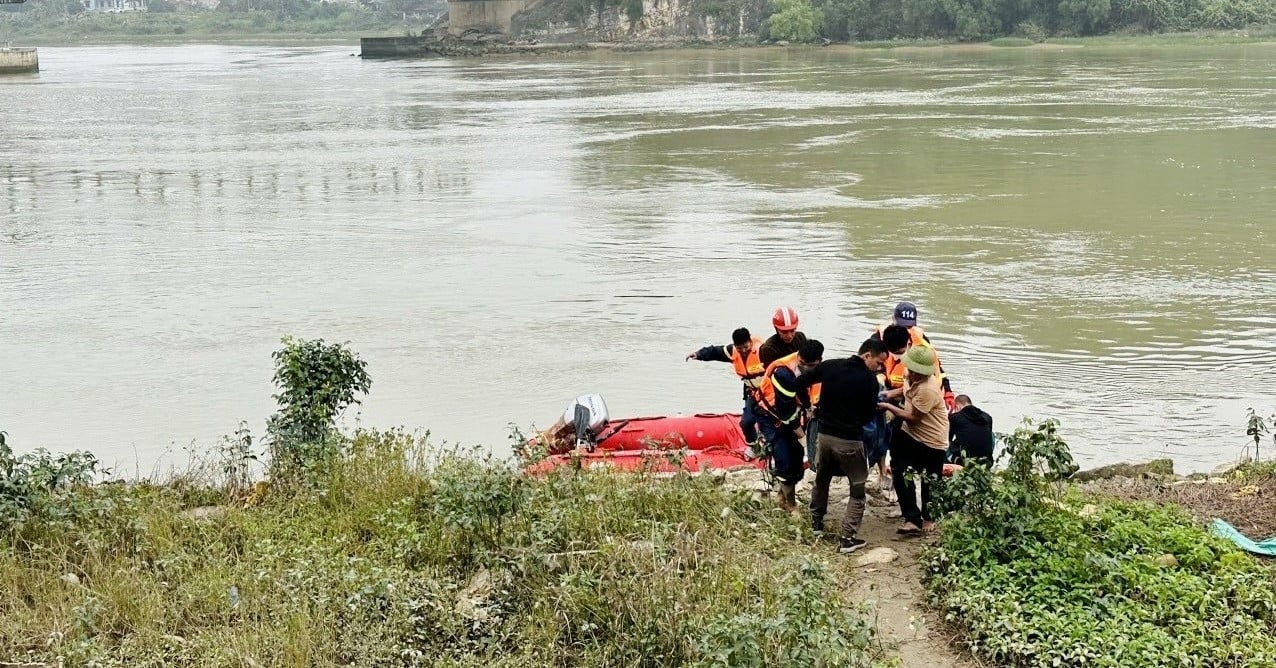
pixel 919 447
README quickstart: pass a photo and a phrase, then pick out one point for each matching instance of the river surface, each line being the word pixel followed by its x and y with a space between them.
pixel 1089 233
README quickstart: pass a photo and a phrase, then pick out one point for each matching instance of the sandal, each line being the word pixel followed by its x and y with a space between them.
pixel 909 530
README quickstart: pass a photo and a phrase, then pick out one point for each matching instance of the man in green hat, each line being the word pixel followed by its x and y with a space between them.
pixel 919 447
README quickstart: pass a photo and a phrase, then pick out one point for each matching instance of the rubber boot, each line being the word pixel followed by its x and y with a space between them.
pixel 788 497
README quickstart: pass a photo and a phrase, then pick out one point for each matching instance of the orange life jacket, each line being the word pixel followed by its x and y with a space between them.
pixel 747 367
pixel 895 371
pixel 768 388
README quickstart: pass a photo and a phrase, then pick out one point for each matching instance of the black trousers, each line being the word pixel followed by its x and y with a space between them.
pixel 910 460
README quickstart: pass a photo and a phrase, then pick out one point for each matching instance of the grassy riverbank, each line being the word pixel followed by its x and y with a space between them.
pixel 380 549
pixel 402 553
pixel 406 554
pixel 1034 572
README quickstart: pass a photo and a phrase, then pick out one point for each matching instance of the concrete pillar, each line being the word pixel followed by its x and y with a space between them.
pixel 18 60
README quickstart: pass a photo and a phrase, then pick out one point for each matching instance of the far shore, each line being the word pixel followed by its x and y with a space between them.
pixel 1259 37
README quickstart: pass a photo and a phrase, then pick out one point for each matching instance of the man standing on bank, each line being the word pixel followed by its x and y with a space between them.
pixel 919 447
pixel 848 401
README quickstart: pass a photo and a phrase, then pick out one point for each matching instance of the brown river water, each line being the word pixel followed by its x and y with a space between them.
pixel 1088 233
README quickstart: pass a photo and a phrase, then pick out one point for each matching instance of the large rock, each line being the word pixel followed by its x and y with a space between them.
pixel 877 555
pixel 1156 467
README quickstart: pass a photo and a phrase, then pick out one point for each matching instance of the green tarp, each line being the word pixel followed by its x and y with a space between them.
pixel 1266 548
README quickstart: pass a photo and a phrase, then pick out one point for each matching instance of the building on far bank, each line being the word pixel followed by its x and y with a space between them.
pixel 114 6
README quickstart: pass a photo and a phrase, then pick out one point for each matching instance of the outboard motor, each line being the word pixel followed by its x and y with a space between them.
pixel 587 415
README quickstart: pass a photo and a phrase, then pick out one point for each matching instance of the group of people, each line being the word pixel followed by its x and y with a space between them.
pixel 891 397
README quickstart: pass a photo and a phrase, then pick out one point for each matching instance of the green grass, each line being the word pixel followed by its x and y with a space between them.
pixel 406 554
pixel 1100 590
pixel 1038 575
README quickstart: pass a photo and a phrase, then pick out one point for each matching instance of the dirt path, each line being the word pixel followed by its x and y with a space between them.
pixel 906 628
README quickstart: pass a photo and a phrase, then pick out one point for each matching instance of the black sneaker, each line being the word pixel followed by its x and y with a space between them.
pixel 852 544
pixel 817 527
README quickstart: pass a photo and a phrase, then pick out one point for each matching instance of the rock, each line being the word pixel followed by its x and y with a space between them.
pixel 470 601
pixel 1167 561
pixel 71 579
pixel 877 555
pixel 1156 467
pixel 747 478
pixel 205 512
pixel 644 547
pixel 783 42
pixel 1225 470
pixel 1089 510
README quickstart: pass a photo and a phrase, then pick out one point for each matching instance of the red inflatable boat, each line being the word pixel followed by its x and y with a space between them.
pixel 692 443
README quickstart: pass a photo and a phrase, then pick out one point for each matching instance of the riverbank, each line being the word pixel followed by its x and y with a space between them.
pixel 407 553
pixel 170 31
pixel 494 45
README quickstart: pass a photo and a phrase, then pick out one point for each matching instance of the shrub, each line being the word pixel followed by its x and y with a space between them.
pixel 1039 578
pixel 317 381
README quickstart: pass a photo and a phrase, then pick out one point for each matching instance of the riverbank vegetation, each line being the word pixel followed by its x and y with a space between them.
pixel 1038 574
pixel 866 22
pixel 380 548
pixel 1035 20
pixel 60 20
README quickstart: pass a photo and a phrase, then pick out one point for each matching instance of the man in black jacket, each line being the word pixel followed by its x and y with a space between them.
pixel 970 435
pixel 848 401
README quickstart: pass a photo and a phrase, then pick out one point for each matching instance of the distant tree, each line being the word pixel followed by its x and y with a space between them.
pixel 792 20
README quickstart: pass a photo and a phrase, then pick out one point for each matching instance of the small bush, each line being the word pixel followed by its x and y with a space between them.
pixel 317 381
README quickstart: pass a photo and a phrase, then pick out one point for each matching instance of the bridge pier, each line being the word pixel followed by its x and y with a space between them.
pixel 16 59
pixel 483 15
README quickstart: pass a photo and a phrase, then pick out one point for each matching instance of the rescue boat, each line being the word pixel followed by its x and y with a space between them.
pixel 586 436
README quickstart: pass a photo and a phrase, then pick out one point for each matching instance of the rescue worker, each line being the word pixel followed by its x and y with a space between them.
pixel 744 356
pixel 786 340
pixel 850 392
pixel 779 412
pixel 905 316
pixel 899 340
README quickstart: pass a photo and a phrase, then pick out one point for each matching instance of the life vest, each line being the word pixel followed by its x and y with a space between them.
pixel 747 367
pixel 768 388
pixel 896 372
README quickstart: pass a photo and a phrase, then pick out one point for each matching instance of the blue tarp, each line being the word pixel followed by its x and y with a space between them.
pixel 1266 548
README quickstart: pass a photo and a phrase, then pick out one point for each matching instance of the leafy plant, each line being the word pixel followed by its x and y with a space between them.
pixel 29 482
pixel 236 458
pixel 1038 575
pixel 317 381
pixel 1256 427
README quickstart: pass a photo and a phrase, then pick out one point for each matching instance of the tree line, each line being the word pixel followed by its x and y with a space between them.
pixel 860 20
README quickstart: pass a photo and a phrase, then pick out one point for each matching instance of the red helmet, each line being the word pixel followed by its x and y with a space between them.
pixel 785 319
